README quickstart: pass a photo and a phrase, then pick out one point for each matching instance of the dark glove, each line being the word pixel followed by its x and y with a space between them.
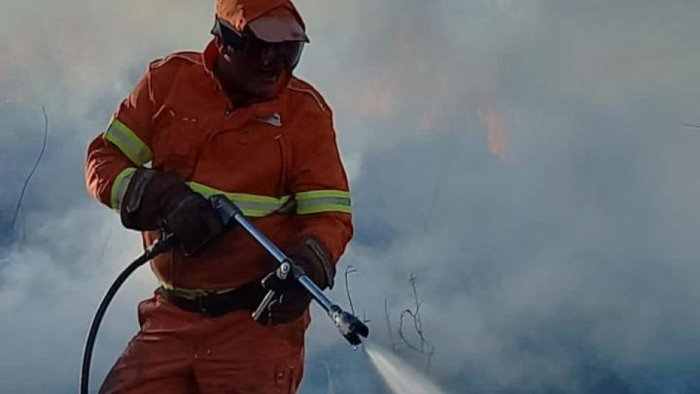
pixel 292 299
pixel 154 199
pixel 192 220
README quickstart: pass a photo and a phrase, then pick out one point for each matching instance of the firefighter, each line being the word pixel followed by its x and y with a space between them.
pixel 230 120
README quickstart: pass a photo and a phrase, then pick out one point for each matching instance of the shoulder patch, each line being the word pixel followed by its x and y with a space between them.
pixel 187 57
pixel 299 86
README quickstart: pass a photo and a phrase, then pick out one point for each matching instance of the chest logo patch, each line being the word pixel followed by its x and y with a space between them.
pixel 274 119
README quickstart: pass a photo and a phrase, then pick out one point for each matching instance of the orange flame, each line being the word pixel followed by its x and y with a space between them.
pixel 374 97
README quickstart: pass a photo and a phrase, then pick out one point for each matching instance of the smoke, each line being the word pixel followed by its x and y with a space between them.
pixel 522 159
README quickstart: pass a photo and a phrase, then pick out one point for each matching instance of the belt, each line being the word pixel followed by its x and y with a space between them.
pixel 215 304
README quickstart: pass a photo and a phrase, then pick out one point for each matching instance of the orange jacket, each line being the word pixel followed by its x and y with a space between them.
pixel 278 160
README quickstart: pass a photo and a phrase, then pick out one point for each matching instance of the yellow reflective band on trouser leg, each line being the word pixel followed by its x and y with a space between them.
pixel 128 142
pixel 121 182
pixel 252 205
pixel 319 201
pixel 193 294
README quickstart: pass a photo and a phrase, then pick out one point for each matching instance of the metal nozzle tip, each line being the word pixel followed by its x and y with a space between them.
pixel 350 326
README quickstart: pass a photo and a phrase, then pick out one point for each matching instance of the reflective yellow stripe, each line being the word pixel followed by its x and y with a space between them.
pixel 252 205
pixel 121 182
pixel 322 194
pixel 319 201
pixel 321 208
pixel 128 142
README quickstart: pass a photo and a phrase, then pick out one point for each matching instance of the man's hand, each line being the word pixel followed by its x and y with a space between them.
pixel 155 199
pixel 192 221
pixel 292 299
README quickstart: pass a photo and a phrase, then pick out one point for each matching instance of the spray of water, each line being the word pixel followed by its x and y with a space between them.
pixel 399 376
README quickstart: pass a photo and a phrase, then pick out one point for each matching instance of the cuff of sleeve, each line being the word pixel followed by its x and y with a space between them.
pixel 121 183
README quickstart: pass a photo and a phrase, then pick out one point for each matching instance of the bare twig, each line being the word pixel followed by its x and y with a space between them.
pixel 31 173
pixel 417 322
pixel 689 125
pixel 349 270
pixel 388 325
pixel 406 341
pixel 423 347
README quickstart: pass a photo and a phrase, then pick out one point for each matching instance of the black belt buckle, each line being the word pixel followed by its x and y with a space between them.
pixel 203 305
pixel 216 305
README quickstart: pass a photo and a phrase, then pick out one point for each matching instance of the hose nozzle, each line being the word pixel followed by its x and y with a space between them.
pixel 349 325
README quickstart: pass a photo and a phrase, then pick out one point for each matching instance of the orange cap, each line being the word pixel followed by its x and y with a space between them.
pixel 269 20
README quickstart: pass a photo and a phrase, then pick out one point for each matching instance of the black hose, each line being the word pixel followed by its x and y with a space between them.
pixel 159 247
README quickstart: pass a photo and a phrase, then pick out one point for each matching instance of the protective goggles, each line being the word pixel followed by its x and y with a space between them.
pixel 260 51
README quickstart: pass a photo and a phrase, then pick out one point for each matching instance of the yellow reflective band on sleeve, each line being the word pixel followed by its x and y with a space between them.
pixel 121 182
pixel 311 202
pixel 252 205
pixel 319 201
pixel 128 142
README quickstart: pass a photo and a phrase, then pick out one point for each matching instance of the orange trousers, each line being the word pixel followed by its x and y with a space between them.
pixel 178 352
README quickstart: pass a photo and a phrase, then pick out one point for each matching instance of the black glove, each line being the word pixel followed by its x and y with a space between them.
pixel 292 299
pixel 192 220
pixel 155 199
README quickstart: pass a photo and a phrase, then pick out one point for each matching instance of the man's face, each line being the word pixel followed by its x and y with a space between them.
pixel 253 67
pixel 239 72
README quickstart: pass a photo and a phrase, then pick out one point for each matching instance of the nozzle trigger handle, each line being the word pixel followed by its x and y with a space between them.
pixel 260 314
pixel 273 283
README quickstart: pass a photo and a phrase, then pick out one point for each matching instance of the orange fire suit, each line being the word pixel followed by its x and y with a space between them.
pixel 278 161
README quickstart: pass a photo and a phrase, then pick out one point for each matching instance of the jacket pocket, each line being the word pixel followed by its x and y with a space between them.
pixel 176 141
pixel 243 160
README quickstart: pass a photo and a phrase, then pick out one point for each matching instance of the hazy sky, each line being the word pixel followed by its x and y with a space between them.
pixel 524 159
